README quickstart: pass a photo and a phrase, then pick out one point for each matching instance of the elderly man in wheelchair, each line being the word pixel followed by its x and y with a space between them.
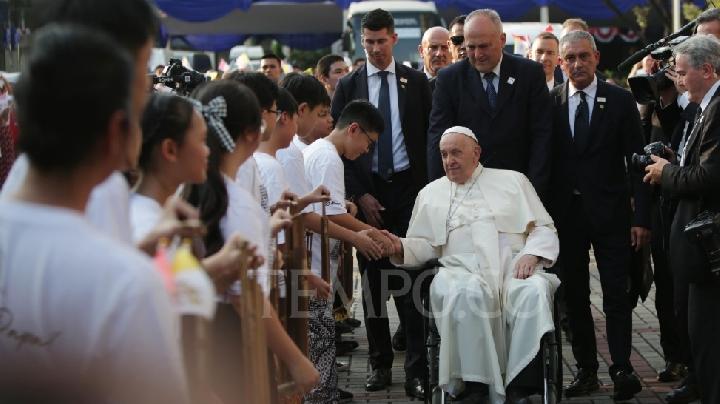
pixel 491 299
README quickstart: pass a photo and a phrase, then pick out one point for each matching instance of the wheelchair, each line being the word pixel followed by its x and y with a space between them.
pixel 550 349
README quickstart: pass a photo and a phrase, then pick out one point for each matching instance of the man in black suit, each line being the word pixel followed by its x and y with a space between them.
pixel 545 50
pixel 384 183
pixel 596 129
pixel 695 181
pixel 511 118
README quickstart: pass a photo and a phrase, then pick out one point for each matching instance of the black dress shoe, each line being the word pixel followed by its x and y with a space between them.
pixel 344 396
pixel 517 396
pixel 378 380
pixel 342 327
pixel 687 393
pixel 415 388
pixel 398 339
pixel 585 382
pixel 627 384
pixel 673 372
pixel 474 393
pixel 353 322
pixel 342 348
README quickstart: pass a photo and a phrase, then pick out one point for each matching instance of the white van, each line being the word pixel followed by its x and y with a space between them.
pixel 412 18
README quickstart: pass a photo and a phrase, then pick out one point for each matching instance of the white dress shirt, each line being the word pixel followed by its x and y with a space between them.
pixel 574 101
pixel 496 79
pixel 400 158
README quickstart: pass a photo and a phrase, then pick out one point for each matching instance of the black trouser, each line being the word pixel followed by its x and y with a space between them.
pixel 612 253
pixel 380 279
pixel 704 327
pixel 673 346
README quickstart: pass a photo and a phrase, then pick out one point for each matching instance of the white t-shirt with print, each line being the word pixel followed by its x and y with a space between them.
pixel 272 176
pixel 93 312
pixel 244 216
pixel 323 166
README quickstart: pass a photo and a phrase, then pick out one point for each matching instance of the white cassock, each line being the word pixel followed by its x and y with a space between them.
pixel 490 323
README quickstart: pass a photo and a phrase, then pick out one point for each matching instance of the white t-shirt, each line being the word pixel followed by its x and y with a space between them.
pixel 299 143
pixel 272 176
pixel 323 166
pixel 145 213
pixel 293 164
pixel 92 312
pixel 248 177
pixel 246 217
pixel 107 208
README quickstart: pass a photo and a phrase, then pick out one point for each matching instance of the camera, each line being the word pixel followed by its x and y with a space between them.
pixel 179 78
pixel 640 161
pixel 704 229
pixel 646 89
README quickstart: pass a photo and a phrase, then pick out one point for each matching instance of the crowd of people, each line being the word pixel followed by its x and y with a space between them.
pixel 125 212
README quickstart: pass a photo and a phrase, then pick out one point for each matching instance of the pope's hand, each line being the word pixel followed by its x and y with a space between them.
pixel 525 266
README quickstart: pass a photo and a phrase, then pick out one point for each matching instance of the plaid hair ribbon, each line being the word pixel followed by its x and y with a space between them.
pixel 214 112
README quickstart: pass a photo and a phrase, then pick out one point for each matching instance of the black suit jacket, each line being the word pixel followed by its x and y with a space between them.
pixel 696 185
pixel 515 136
pixel 597 169
pixel 414 100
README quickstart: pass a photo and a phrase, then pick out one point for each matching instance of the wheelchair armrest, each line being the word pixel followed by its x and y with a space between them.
pixel 433 263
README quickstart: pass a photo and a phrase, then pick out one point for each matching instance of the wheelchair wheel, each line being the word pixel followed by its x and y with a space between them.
pixel 552 363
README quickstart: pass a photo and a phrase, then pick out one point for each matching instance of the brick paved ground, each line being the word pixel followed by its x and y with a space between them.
pixel 646 357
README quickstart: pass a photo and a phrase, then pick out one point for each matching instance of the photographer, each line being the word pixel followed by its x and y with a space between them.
pixel 695 182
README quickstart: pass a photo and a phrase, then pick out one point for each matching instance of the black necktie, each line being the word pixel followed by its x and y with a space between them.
pixel 582 121
pixel 385 146
pixel 490 89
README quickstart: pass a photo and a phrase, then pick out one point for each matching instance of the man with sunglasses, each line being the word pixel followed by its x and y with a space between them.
pixel 457 50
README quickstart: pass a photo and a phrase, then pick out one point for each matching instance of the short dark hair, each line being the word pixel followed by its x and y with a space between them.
pixel 546 35
pixel 460 19
pixel 265 89
pixel 60 121
pixel 243 117
pixel 305 89
pixel 378 19
pixel 709 15
pixel 364 114
pixel 286 102
pixel 576 22
pixel 166 116
pixel 323 65
pixel 357 60
pixel 130 22
pixel 272 56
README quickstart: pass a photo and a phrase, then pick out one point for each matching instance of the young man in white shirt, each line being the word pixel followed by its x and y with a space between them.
pixel 85 317
pixel 357 129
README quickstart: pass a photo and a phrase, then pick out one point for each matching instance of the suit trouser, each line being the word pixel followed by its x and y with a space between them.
pixel 381 279
pixel 673 345
pixel 704 327
pixel 612 253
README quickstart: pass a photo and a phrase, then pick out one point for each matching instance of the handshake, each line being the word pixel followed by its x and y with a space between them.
pixel 375 244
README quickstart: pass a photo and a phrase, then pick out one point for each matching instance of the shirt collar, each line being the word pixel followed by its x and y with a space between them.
pixel 589 91
pixel 495 69
pixel 372 70
pixel 708 96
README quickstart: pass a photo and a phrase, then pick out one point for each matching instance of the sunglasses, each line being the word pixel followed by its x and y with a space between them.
pixel 457 40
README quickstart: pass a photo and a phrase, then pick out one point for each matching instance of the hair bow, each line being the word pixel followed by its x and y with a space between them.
pixel 214 112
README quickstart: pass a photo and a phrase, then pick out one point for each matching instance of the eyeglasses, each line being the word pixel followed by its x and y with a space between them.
pixel 457 39
pixel 370 141
pixel 276 112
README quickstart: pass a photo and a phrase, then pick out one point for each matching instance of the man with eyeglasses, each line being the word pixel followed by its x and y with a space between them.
pixel 596 129
pixel 457 50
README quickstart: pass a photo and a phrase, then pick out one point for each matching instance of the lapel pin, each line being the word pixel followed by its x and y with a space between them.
pixel 511 80
pixel 403 80
pixel 601 102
